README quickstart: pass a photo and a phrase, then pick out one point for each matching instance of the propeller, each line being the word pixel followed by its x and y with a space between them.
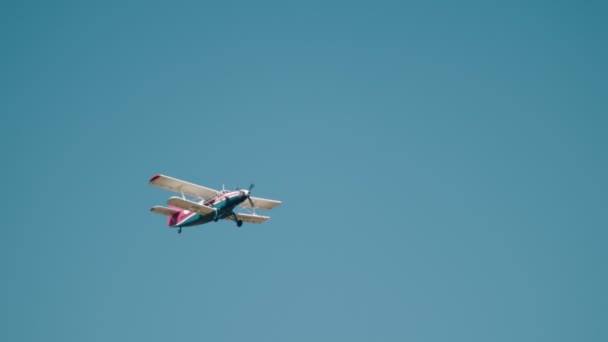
pixel 249 195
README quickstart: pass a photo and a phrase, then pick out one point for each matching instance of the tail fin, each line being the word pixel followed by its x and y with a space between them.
pixel 171 213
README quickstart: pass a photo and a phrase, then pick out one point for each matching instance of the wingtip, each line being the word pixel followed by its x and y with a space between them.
pixel 154 178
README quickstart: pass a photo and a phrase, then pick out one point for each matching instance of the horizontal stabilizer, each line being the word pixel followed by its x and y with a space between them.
pixel 189 205
pixel 164 210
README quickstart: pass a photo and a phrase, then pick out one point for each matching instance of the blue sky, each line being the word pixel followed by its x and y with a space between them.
pixel 442 167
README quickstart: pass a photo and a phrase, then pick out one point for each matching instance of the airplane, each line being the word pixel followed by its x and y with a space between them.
pixel 212 205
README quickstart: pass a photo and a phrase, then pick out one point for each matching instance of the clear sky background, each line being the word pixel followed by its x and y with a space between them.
pixel 442 166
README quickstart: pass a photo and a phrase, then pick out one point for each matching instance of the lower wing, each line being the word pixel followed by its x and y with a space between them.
pixel 248 218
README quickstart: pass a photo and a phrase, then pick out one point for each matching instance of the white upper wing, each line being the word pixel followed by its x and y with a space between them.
pixel 183 187
pixel 261 203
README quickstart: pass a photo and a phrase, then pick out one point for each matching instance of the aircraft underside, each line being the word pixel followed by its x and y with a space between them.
pixel 204 205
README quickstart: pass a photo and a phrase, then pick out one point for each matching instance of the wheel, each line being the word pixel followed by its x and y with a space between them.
pixel 239 223
pixel 180 230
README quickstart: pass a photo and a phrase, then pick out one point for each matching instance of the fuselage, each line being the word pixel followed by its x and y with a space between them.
pixel 224 205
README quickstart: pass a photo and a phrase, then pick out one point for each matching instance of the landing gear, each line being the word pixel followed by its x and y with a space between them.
pixel 236 219
pixel 180 230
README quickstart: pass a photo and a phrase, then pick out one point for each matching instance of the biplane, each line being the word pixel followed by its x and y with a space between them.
pixel 209 204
